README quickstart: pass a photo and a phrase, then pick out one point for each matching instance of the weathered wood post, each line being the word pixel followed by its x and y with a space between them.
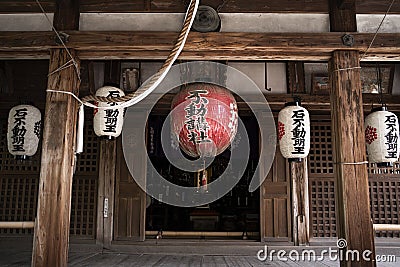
pixel 348 141
pixel 51 238
pixel 299 170
pixel 352 191
pixel 300 202
pixel 107 172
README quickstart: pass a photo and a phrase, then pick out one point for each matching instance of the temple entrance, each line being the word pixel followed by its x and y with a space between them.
pixel 234 216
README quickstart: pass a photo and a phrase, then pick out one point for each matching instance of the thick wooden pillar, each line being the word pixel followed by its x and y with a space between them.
pixel 300 202
pixel 51 238
pixel 352 192
pixel 50 245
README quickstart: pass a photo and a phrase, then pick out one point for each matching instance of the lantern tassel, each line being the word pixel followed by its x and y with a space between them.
pixel 79 134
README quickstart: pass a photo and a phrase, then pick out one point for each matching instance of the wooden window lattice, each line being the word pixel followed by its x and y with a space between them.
pixel 83 206
pixel 384 186
pixel 19 186
pixel 322 184
pixel 323 209
pixel 320 157
pixel 87 163
pixel 18 200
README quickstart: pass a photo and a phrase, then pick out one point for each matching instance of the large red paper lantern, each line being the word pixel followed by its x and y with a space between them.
pixel 204 119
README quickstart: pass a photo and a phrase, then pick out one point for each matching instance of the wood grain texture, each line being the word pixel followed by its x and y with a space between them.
pixel 66 15
pixel 26 6
pixel 275 207
pixel 300 202
pixel 295 77
pixel 231 6
pixel 342 15
pixel 107 171
pixel 54 204
pixel 107 167
pixel 345 4
pixel 217 46
pixel 352 195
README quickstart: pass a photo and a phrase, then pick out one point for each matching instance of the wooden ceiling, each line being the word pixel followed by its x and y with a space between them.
pixel 236 6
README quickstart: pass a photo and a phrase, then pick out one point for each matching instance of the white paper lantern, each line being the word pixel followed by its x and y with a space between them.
pixel 24 127
pixel 382 137
pixel 294 132
pixel 108 122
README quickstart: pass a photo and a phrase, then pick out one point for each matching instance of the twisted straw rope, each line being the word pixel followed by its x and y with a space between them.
pixel 166 64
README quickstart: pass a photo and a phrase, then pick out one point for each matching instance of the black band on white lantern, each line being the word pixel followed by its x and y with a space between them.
pixel 382 137
pixel 108 122
pixel 294 132
pixel 24 127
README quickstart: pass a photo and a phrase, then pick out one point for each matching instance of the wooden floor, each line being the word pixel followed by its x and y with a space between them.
pixel 17 252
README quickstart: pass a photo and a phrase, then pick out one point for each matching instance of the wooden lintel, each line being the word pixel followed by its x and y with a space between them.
pixel 277 102
pixel 217 46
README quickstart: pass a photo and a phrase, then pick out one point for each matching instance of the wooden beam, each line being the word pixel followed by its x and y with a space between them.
pixel 300 202
pixel 342 15
pixel 277 102
pixel 50 245
pixel 237 6
pixel 216 46
pixel 354 222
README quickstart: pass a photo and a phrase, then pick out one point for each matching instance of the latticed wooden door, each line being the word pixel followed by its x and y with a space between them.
pixel 19 182
pixel 321 181
pixel 384 185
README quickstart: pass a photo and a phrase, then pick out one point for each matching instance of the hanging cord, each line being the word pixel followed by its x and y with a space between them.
pixel 222 5
pixel 74 63
pixel 142 92
pixel 379 27
pixel 351 68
